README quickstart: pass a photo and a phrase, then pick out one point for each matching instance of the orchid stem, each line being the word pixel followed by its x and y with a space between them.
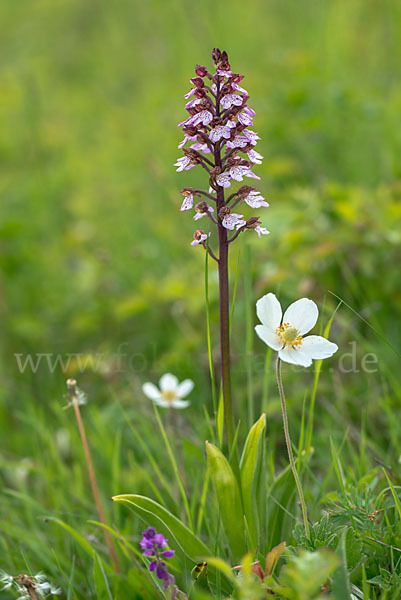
pixel 289 448
pixel 224 299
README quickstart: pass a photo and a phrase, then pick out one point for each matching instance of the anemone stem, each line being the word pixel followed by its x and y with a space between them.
pixel 289 448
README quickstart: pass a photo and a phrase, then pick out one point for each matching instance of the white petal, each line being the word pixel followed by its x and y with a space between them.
pixel 268 337
pixel 163 403
pixel 269 311
pixel 168 382
pixel 295 356
pixel 302 314
pixel 180 403
pixel 151 391
pixel 318 347
pixel 185 388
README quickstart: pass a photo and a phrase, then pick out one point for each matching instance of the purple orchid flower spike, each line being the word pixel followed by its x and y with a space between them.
pixel 218 126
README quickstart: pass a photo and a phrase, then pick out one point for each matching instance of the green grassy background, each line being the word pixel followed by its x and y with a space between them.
pixel 94 251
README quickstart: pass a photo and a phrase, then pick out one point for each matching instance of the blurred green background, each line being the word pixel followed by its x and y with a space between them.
pixel 94 251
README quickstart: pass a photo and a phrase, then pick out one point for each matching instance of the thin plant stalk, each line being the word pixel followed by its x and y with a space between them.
pixel 224 298
pixel 208 333
pixel 289 449
pixel 73 393
pixel 249 336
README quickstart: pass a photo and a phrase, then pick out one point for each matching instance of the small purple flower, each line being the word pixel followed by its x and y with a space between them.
pixel 238 172
pixel 252 175
pixel 255 157
pixel 223 73
pixel 261 230
pixel 152 544
pixel 193 102
pixel 255 224
pixel 245 119
pixel 223 180
pixel 249 111
pixel 183 164
pixel 204 117
pixel 200 237
pixel 185 140
pixel 231 100
pixel 238 88
pixel 238 142
pixel 233 220
pixel 161 571
pixel 221 131
pixel 188 201
pixel 202 209
pixel 190 93
pixel 251 136
pixel 201 148
pixel 255 200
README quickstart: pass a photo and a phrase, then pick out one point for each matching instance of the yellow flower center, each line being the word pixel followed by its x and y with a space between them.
pixel 289 335
pixel 169 395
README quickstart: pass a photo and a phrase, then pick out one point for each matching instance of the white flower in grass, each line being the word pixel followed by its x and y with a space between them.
pixel 6 580
pixel 285 334
pixel 170 393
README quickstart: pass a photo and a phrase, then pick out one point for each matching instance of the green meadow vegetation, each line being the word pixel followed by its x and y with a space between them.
pixel 99 283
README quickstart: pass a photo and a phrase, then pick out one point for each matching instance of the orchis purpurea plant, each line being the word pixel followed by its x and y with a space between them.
pixel 219 139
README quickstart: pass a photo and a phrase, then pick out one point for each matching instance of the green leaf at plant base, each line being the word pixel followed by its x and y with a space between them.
pixel 248 472
pixel 229 499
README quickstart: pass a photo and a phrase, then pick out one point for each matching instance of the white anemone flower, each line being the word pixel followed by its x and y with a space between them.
pixel 170 393
pixel 285 334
